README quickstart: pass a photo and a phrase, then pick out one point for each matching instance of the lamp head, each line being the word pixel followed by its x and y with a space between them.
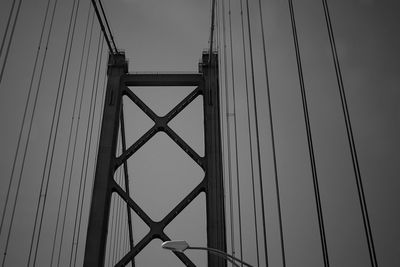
pixel 175 245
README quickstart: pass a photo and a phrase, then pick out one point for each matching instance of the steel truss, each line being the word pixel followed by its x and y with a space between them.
pixel 119 81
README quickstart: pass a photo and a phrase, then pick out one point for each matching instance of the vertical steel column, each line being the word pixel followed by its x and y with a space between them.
pixel 215 188
pixel 104 185
pixel 100 206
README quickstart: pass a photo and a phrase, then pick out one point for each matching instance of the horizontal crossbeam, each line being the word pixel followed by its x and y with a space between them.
pixel 163 79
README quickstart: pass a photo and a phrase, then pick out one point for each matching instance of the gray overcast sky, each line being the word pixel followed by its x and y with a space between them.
pixel 160 35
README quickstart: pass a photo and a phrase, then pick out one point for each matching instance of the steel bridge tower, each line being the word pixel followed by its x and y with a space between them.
pixel 206 84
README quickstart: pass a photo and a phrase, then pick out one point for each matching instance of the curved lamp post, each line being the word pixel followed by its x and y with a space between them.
pixel 182 245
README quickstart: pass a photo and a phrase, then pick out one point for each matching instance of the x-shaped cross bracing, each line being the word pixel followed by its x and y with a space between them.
pixel 161 124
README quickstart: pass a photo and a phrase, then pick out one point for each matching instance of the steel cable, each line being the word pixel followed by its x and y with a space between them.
pixel 66 61
pixel 24 115
pixel 118 228
pixel 84 177
pixel 69 136
pixel 235 132
pixel 228 129
pixel 221 85
pixel 99 126
pixel 272 134
pixel 249 133
pixel 114 218
pixel 103 28
pixel 309 137
pixel 94 172
pixel 7 27
pixel 76 134
pixel 110 237
pixel 257 136
pixel 28 136
pixel 3 66
pixel 85 164
pixel 210 51
pixel 126 181
pixel 350 137
pixel 108 26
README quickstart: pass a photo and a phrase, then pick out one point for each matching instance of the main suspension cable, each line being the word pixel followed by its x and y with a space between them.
pixel 111 49
pixel 350 137
pixel 309 137
pixel 108 26
pixel 210 51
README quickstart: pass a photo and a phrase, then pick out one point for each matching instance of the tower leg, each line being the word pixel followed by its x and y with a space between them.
pixel 215 188
pixel 100 206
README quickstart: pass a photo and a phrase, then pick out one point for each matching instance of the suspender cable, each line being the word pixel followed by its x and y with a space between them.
pixel 75 135
pixel 69 137
pixel 24 116
pixel 257 136
pixel 125 235
pixel 114 231
pixel 350 137
pixel 272 134
pixel 228 134
pixel 249 133
pixel 28 138
pixel 126 181
pixel 3 66
pixel 110 237
pixel 7 27
pixel 118 231
pixel 309 138
pixel 119 216
pixel 94 165
pixel 115 225
pixel 88 139
pixel 59 103
pixel 235 131
pixel 118 227
pixel 221 73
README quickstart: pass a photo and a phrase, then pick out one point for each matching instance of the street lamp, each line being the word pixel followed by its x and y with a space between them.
pixel 182 245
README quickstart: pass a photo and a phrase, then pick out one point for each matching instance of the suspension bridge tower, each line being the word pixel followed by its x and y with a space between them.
pixel 205 83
